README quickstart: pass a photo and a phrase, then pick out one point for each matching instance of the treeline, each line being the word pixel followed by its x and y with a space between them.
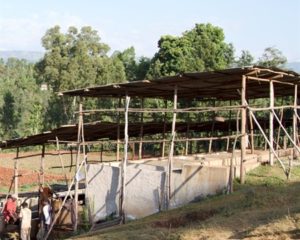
pixel 78 58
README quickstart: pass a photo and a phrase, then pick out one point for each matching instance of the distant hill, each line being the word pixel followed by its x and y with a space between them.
pixel 295 66
pixel 30 56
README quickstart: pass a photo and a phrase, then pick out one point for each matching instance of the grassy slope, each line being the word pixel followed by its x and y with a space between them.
pixel 266 207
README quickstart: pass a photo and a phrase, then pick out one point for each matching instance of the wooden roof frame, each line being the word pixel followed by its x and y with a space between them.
pixel 221 84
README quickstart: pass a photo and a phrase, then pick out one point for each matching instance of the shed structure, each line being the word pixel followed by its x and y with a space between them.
pixel 236 92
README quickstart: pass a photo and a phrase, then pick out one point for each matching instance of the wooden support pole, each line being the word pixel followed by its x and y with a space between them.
pixel 77 165
pixel 279 130
pixel 71 160
pixel 124 163
pixel 141 131
pixel 61 161
pixel 268 142
pixel 16 174
pixel 295 126
pixel 42 166
pixel 243 129
pixel 231 172
pixel 163 145
pixel 171 152
pixel 296 148
pixel 118 131
pixel 271 123
pixel 251 134
pixel 57 215
pixel 187 137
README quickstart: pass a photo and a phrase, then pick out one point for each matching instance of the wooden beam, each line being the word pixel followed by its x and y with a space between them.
pixel 61 160
pixel 141 131
pixel 16 174
pixel 243 129
pixel 77 166
pixel 163 145
pixel 42 166
pixel 171 152
pixel 295 125
pixel 271 123
pixel 268 142
pixel 118 132
pixel 124 164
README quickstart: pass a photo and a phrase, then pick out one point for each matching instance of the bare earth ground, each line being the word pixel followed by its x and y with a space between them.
pixel 266 207
pixel 29 166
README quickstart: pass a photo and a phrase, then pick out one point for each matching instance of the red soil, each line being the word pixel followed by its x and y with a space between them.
pixel 25 177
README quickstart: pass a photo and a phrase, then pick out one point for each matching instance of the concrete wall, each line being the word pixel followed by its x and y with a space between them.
pixel 103 190
pixel 195 182
pixel 146 188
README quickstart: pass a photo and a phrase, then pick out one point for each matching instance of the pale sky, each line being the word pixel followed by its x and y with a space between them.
pixel 252 25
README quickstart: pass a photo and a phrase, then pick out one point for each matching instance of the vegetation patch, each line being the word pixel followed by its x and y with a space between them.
pixel 181 221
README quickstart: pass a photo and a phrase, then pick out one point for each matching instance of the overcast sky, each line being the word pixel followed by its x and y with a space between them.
pixel 252 25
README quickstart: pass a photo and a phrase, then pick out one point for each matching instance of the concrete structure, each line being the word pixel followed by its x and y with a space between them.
pixel 146 186
pixel 194 177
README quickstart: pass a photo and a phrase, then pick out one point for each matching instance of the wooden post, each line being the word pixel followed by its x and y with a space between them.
pixel 231 170
pixel 171 152
pixel 124 163
pixel 141 131
pixel 101 153
pixel 61 160
pixel 16 174
pixel 77 165
pixel 268 142
pixel 71 155
pixel 251 134
pixel 187 137
pixel 163 145
pixel 243 129
pixel 57 215
pixel 295 127
pixel 271 123
pixel 118 131
pixel 279 130
pixel 42 167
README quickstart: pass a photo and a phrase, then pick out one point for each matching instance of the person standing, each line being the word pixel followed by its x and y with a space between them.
pixel 47 215
pixel 10 208
pixel 25 216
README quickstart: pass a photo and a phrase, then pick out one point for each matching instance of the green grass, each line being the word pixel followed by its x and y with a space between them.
pixel 267 206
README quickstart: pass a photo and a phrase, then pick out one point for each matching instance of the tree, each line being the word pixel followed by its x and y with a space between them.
pixel 201 49
pixel 127 57
pixel 246 59
pixel 9 117
pixel 272 57
pixel 73 60
pixel 142 68
pixel 19 92
pixel 134 69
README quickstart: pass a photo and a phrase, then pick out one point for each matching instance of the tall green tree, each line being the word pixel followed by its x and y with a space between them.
pixel 135 68
pixel 201 49
pixel 246 59
pixel 19 92
pixel 73 60
pixel 9 116
pixel 272 57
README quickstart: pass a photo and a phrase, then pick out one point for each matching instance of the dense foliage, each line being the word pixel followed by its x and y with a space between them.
pixel 78 58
